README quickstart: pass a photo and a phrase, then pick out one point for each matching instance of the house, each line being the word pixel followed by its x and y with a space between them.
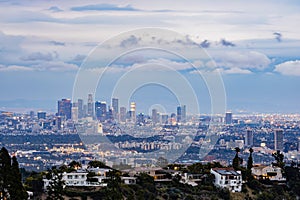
pixel 191 179
pixel 80 178
pixel 128 180
pixel 228 178
pixel 272 173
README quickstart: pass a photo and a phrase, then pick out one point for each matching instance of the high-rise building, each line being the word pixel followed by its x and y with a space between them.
pixel 183 113
pixel 41 115
pixel 100 109
pixel 249 138
pixel 122 114
pixel 90 106
pixel 155 116
pixel 81 113
pixel 75 112
pixel 228 118
pixel 178 113
pixel 64 108
pixel 115 106
pixel 132 112
pixel 278 139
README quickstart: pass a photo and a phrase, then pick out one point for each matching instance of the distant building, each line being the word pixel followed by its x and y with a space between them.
pixel 75 113
pixel 278 139
pixel 90 106
pixel 179 114
pixel 228 178
pixel 101 110
pixel 155 116
pixel 31 114
pixel 64 108
pixel 115 106
pixel 132 112
pixel 41 115
pixel 228 118
pixel 81 113
pixel 267 172
pixel 249 138
pixel 123 114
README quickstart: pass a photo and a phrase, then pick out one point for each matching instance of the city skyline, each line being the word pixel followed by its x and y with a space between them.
pixel 257 63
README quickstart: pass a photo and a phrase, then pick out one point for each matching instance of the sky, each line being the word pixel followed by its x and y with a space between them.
pixel 152 53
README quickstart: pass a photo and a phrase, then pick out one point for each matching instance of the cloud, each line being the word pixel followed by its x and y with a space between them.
pixel 14 68
pixel 103 7
pixel 131 41
pixel 55 9
pixel 278 36
pixel 58 66
pixel 38 56
pixel 205 44
pixel 56 43
pixel 78 58
pixel 235 70
pixel 226 43
pixel 252 60
pixel 290 68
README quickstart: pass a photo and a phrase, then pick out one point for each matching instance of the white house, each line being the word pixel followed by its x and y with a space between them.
pixel 267 172
pixel 228 178
pixel 80 178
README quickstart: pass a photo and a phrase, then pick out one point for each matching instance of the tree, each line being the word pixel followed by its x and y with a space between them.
pixel 75 165
pixel 279 157
pixel 56 186
pixel 10 177
pixel 250 160
pixel 96 163
pixel 16 189
pixel 237 161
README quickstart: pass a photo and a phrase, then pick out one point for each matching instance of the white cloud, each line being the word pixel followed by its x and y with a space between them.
pixel 58 66
pixel 14 68
pixel 242 59
pixel 291 68
pixel 235 71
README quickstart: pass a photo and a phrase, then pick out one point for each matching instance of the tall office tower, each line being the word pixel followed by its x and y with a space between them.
pixel 90 106
pixel 59 123
pixel 164 119
pixel 100 109
pixel 183 113
pixel 155 116
pixel 80 108
pixel 115 106
pixel 278 139
pixel 75 112
pixel 228 118
pixel 179 111
pixel 132 112
pixel 122 114
pixel 249 138
pixel 64 108
pixel 41 115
